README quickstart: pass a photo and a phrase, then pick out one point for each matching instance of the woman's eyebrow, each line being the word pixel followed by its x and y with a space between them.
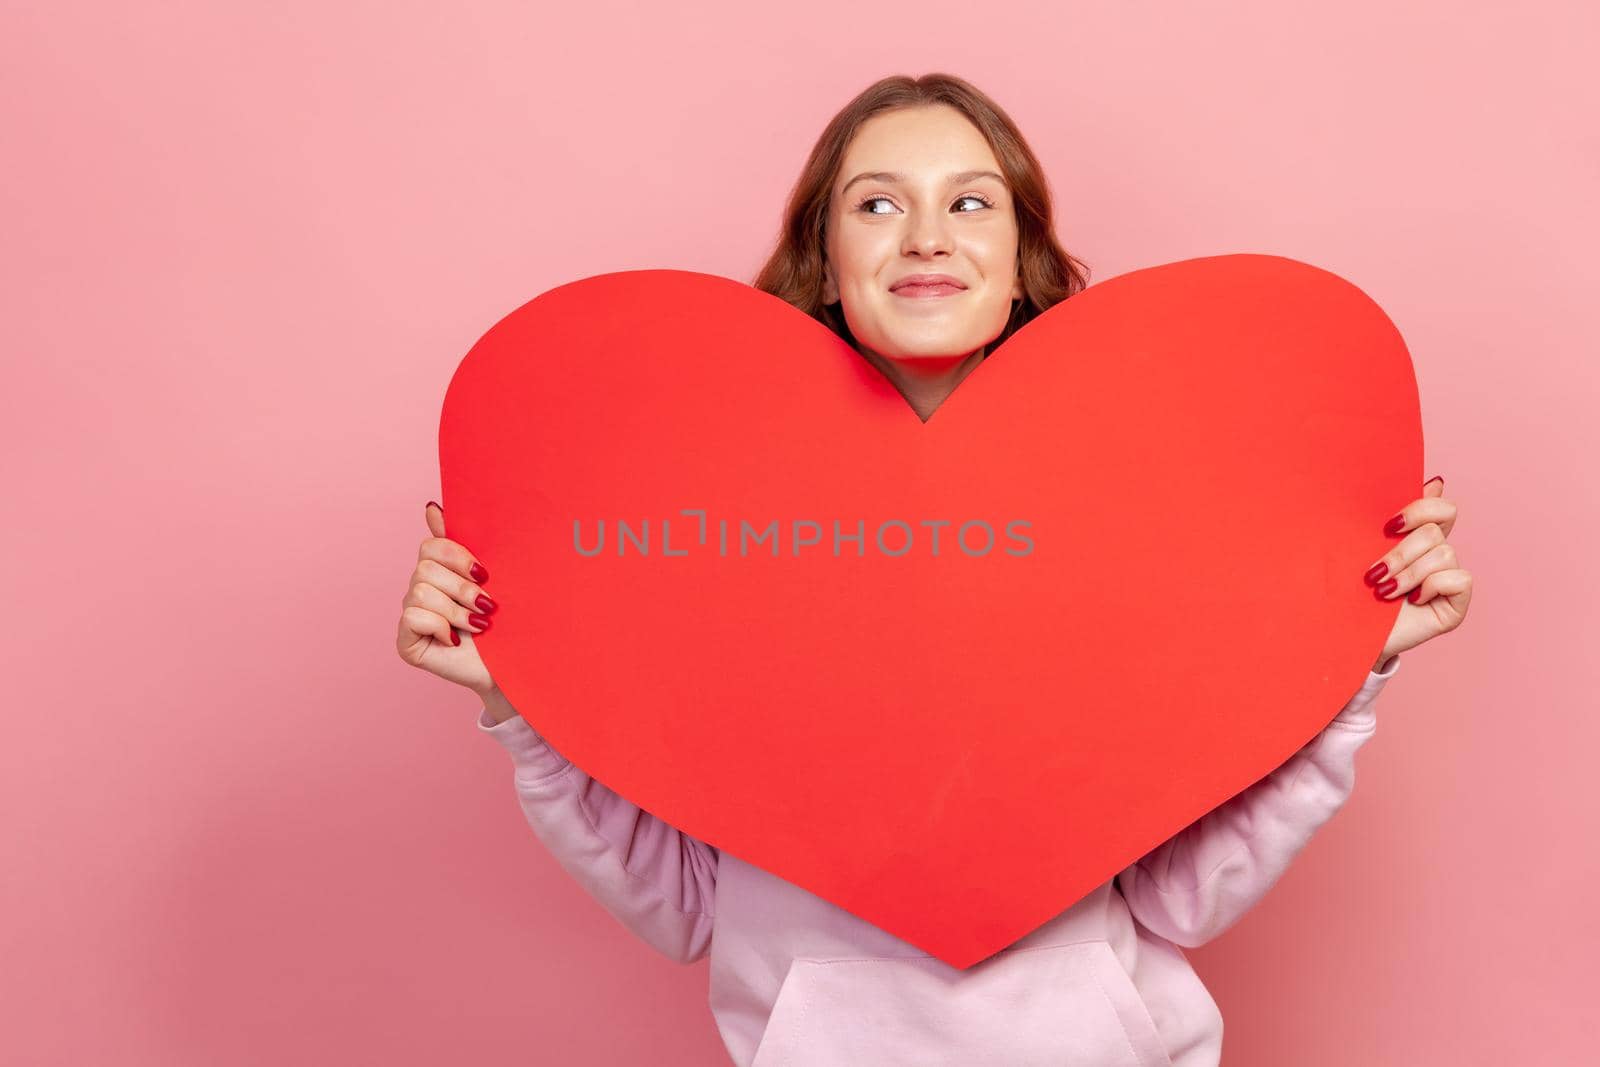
pixel 896 176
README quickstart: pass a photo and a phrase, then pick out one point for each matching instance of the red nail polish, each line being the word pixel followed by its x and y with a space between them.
pixel 479 574
pixel 455 638
pixel 1378 571
pixel 1388 587
pixel 434 503
pixel 485 605
pixel 1436 478
pixel 1395 525
pixel 480 621
pixel 1415 594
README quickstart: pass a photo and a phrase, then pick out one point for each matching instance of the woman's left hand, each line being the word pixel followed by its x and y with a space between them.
pixel 1423 569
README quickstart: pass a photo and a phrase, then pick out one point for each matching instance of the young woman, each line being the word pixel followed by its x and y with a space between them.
pixel 920 231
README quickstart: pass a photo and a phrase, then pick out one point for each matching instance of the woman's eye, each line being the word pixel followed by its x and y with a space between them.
pixel 865 204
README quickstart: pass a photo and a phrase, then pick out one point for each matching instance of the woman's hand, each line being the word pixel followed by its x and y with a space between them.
pixel 445 594
pixel 1422 567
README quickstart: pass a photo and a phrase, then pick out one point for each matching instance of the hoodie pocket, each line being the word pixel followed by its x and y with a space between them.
pixel 1056 1005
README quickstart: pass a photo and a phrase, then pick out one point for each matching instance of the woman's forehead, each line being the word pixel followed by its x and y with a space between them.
pixel 919 149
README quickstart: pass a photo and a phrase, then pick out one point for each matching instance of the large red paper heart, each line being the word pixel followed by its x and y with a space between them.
pixel 1159 499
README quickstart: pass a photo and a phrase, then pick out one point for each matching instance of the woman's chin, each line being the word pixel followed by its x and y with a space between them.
pixel 930 354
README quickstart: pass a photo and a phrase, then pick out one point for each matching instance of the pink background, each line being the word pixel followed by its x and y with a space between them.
pixel 245 250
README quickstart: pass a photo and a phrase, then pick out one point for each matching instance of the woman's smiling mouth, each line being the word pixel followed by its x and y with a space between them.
pixel 921 286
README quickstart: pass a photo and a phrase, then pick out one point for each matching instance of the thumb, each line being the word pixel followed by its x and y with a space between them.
pixel 435 516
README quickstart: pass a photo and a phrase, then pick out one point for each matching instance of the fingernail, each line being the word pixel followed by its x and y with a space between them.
pixel 431 503
pixel 1378 571
pixel 1395 525
pixel 479 574
pixel 1415 594
pixel 1388 587
pixel 455 638
pixel 485 605
pixel 480 621
pixel 1436 478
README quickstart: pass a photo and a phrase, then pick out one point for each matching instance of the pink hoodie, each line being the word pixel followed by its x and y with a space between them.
pixel 797 980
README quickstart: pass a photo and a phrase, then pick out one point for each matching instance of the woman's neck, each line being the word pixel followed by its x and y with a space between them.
pixel 926 381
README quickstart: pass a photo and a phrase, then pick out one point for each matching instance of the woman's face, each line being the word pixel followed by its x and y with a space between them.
pixel 925 206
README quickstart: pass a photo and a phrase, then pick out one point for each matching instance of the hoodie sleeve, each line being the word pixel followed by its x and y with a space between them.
pixel 656 880
pixel 1200 882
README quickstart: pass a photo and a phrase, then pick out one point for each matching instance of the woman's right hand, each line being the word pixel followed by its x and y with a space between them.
pixel 445 595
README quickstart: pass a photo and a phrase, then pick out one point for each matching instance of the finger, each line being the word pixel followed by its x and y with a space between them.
pixel 420 623
pixel 454 555
pixel 1420 512
pixel 1440 557
pixel 1447 592
pixel 1433 488
pixel 434 514
pixel 1382 574
pixel 427 595
pixel 462 591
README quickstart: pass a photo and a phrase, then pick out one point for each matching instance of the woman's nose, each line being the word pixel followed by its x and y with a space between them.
pixel 927 233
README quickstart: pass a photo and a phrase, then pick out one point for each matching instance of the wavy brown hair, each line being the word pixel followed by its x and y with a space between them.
pixel 794 270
